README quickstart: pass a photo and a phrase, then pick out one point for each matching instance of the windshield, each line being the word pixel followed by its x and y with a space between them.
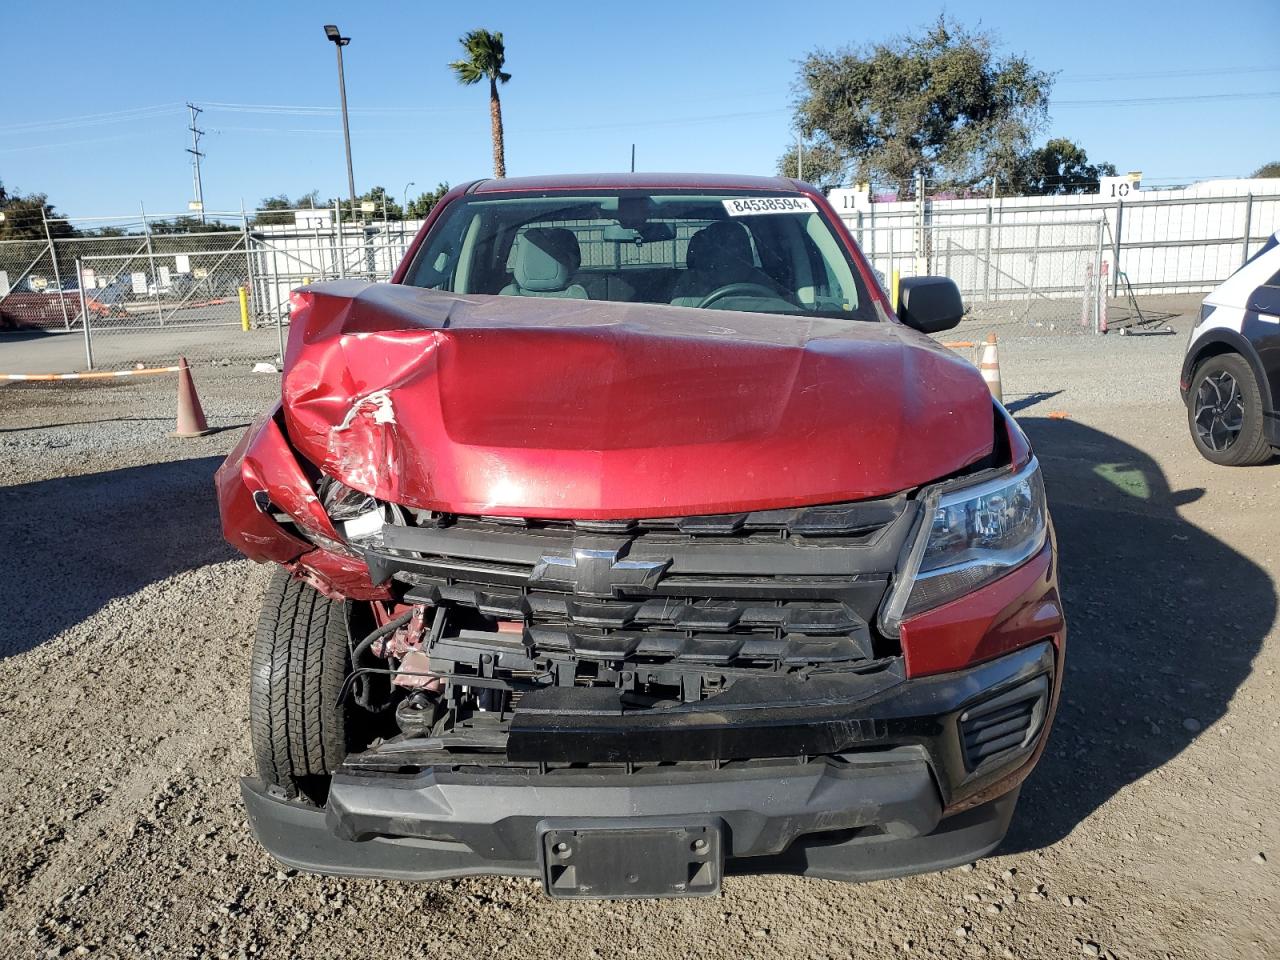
pixel 721 251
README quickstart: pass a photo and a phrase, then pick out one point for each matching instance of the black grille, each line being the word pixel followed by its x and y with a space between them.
pixel 832 520
pixel 1004 724
pixel 771 587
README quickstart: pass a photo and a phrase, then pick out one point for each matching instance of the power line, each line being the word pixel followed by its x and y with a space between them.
pixel 1143 101
pixel 279 109
pixel 325 130
pixel 196 155
pixel 69 143
pixel 1160 74
pixel 301 110
pixel 92 119
pixel 308 110
pixel 680 121
pixel 159 110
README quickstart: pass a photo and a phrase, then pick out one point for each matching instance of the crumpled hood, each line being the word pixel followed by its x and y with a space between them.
pixel 543 407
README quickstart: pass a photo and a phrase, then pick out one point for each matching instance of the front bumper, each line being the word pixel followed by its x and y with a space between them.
pixel 301 837
pixel 872 810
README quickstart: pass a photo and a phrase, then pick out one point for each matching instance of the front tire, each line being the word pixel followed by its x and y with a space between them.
pixel 1224 412
pixel 300 659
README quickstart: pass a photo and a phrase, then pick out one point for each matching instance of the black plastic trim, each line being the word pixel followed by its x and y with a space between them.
pixel 299 837
pixel 823 712
pixel 765 807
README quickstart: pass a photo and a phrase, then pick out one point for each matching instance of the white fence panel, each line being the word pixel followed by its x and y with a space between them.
pixel 1162 241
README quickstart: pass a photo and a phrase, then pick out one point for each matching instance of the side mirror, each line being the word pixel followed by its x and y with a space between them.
pixel 929 304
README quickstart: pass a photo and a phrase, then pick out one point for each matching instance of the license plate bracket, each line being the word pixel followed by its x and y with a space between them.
pixel 631 861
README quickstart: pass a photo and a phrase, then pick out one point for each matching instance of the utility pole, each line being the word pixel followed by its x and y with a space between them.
pixel 194 150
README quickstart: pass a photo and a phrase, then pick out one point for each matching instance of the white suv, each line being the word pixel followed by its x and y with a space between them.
pixel 1231 373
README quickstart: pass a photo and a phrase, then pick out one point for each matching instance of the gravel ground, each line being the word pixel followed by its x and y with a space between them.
pixel 1149 830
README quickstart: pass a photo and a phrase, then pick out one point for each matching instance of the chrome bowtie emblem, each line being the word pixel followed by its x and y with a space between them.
pixel 597 572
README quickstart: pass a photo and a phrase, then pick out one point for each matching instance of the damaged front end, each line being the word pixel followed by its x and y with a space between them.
pixel 272 513
pixel 759 689
pixel 731 671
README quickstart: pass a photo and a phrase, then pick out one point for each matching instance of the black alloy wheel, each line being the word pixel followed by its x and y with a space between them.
pixel 1224 411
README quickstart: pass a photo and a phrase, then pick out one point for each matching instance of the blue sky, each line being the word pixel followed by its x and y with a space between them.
pixel 697 86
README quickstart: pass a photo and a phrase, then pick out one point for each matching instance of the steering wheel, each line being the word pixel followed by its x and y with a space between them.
pixel 738 290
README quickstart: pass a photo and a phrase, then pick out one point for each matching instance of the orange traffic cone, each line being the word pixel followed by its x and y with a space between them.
pixel 990 367
pixel 191 422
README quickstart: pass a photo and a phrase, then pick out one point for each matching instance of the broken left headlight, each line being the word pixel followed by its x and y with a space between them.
pixel 356 516
pixel 973 535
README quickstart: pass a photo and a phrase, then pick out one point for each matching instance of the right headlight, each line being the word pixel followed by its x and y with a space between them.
pixel 971 536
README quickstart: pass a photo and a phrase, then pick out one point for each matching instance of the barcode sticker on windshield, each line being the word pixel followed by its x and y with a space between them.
pixel 750 206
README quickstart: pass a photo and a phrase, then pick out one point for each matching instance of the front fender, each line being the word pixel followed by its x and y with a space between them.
pixel 1221 340
pixel 262 476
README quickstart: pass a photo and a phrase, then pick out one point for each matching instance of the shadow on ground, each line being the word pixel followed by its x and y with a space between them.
pixel 21 334
pixel 1164 622
pixel 1016 403
pixel 76 543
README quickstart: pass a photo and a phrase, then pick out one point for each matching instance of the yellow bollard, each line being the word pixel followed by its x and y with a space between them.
pixel 895 281
pixel 244 309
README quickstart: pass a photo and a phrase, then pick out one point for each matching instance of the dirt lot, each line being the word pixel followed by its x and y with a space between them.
pixel 1151 828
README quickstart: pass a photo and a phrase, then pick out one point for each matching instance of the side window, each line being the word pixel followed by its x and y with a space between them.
pixel 437 263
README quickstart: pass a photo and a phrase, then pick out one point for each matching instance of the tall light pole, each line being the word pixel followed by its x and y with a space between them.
pixel 339 41
pixel 405 209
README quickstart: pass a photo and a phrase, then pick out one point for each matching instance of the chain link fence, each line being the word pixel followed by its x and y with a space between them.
pixel 285 257
pixel 1038 274
pixel 143 290
pixel 144 303
pixel 32 290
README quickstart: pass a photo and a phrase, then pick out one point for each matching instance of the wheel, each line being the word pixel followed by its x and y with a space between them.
pixel 1224 411
pixel 300 658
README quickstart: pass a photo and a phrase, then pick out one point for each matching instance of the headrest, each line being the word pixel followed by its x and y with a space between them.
pixel 719 245
pixel 546 259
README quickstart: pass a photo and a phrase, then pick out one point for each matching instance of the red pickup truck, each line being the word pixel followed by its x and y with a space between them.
pixel 26 309
pixel 629 537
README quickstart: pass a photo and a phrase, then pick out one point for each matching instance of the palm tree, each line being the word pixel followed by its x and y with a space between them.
pixel 485 58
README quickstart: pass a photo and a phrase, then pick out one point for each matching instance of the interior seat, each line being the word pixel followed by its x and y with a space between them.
pixel 719 254
pixel 546 258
